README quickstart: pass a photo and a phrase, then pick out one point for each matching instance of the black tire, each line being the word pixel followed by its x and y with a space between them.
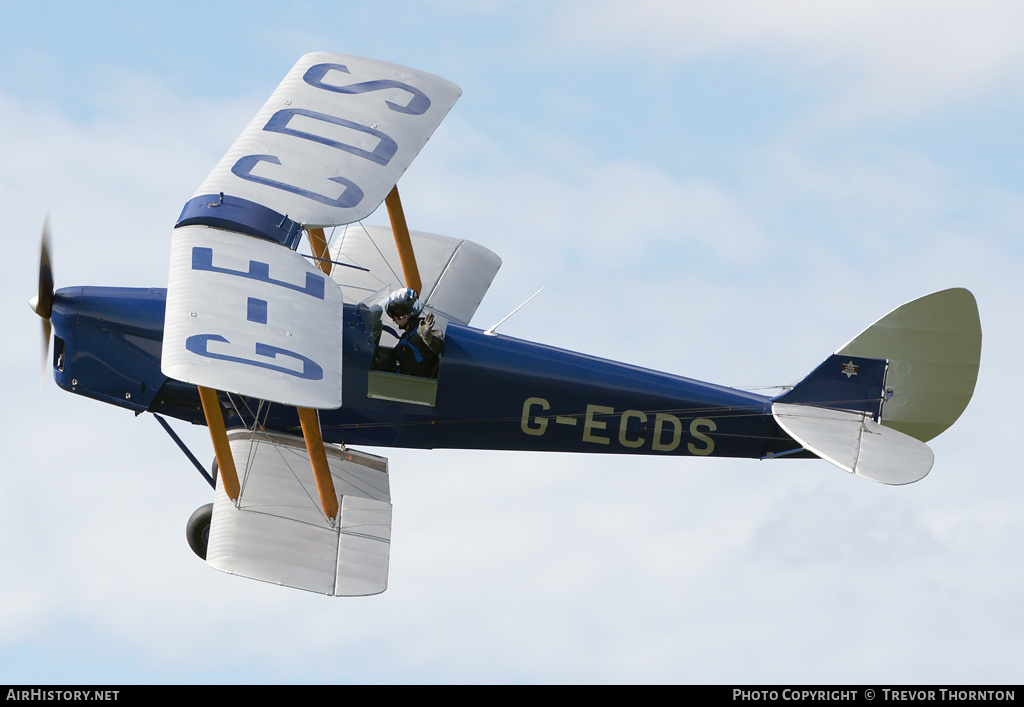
pixel 197 531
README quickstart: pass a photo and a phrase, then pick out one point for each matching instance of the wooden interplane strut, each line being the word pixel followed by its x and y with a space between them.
pixel 410 271
pixel 308 417
pixel 221 448
pixel 318 460
pixel 318 244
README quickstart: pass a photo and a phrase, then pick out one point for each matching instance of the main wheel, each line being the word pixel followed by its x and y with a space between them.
pixel 197 531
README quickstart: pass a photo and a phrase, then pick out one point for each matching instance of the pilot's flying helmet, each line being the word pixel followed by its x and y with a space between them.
pixel 403 303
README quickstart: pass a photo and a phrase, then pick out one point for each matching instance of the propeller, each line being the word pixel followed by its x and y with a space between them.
pixel 42 303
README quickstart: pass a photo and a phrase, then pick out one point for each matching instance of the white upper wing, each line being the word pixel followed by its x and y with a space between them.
pixel 325 149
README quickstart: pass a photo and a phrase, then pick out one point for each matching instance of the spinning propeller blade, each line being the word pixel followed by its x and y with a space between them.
pixel 42 303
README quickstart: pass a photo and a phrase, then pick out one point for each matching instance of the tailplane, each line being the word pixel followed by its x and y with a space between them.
pixel 871 406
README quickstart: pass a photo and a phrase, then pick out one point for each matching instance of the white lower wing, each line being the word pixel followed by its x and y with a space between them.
pixel 251 317
pixel 278 534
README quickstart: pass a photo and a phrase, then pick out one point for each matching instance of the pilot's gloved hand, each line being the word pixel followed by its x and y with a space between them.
pixel 426 328
pixel 376 326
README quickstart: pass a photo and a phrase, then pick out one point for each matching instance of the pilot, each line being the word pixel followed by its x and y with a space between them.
pixel 420 346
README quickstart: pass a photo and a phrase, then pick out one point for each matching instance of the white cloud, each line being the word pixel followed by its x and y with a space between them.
pixel 880 59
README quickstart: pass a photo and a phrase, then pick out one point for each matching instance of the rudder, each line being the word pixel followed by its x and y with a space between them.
pixel 933 345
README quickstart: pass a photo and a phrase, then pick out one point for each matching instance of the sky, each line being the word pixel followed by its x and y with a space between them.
pixel 727 191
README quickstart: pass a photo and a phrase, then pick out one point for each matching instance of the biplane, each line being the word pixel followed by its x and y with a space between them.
pixel 278 351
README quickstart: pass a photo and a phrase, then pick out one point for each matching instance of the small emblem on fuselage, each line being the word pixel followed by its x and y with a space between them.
pixel 850 369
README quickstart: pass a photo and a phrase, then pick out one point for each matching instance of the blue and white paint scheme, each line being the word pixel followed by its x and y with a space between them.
pixel 272 333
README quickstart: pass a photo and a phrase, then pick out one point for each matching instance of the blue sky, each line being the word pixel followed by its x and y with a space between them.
pixel 728 192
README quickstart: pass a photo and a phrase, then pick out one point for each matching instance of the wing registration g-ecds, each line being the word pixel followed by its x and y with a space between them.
pixel 244 315
pixel 331 141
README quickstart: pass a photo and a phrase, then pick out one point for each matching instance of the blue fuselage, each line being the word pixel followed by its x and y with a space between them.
pixel 492 392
